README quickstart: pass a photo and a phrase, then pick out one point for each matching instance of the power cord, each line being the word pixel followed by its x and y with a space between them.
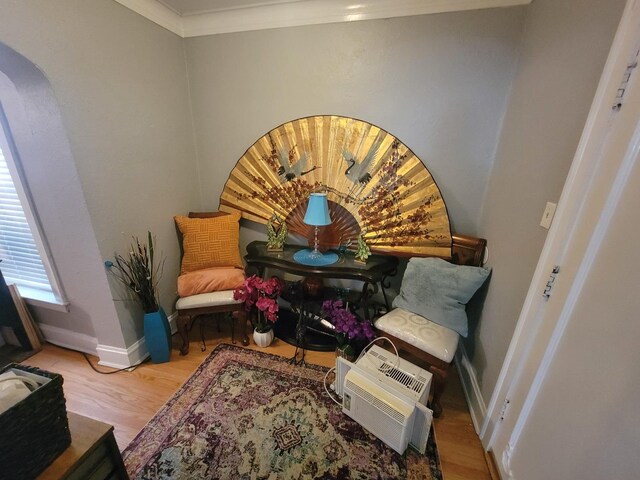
pixel 86 357
pixel 389 368
pixel 129 369
pixel 327 390
pixel 364 350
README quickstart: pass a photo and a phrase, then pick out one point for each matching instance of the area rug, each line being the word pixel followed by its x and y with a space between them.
pixel 248 414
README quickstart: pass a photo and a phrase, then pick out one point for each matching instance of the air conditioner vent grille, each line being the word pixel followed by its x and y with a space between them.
pixel 403 378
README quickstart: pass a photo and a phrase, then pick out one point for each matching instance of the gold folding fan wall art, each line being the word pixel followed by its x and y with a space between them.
pixel 376 186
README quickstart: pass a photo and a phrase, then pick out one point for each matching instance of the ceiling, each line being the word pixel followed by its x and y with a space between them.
pixel 196 7
pixel 192 18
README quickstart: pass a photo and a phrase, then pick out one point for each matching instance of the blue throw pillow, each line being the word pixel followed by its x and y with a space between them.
pixel 439 291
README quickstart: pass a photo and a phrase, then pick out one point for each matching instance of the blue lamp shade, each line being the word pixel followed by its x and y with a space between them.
pixel 317 210
pixel 317 215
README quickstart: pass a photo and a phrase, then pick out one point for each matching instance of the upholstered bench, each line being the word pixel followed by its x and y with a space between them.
pixel 429 314
pixel 426 340
pixel 208 303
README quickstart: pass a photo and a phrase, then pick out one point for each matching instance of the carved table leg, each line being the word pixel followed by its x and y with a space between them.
pixel 384 284
pixel 368 290
pixel 183 324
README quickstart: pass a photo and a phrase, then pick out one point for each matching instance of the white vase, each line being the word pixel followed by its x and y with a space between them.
pixel 263 339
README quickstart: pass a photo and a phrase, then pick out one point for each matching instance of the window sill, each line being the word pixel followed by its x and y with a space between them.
pixel 43 299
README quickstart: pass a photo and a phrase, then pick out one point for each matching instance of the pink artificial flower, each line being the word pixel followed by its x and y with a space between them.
pixel 240 294
pixel 272 287
pixel 263 303
pixel 261 293
pixel 269 307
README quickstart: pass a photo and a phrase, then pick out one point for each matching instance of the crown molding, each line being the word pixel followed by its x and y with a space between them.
pixel 157 13
pixel 310 12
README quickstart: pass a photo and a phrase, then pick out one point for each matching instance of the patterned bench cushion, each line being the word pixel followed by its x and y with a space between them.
pixel 420 332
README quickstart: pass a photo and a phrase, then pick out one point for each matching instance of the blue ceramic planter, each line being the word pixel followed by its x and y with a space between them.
pixel 157 336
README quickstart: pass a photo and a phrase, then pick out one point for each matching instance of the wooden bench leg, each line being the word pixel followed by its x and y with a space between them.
pixel 183 330
pixel 439 382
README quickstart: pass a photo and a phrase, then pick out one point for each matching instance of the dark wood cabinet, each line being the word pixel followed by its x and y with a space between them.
pixel 92 455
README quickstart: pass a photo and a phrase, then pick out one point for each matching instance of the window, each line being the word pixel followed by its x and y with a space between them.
pixel 24 261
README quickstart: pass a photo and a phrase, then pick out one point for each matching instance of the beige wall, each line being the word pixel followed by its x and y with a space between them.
pixel 437 82
pixel 564 48
pixel 121 85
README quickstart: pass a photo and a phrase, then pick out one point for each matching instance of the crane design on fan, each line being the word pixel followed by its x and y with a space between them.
pixel 290 172
pixel 359 172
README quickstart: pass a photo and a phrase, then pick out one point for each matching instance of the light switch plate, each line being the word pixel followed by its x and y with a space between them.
pixel 547 216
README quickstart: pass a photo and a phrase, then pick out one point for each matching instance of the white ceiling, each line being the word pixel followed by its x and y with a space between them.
pixel 192 18
pixel 196 7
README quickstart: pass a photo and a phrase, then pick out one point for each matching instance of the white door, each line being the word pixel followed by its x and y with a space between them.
pixel 568 398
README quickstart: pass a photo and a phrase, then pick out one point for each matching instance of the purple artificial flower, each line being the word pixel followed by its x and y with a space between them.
pixel 347 324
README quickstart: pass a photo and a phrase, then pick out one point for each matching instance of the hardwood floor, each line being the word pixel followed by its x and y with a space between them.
pixel 128 400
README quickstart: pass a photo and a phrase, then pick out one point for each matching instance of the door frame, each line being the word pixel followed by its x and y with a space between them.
pixel 584 209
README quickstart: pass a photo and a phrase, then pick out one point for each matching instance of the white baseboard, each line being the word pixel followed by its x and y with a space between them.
pixel 109 356
pixel 117 357
pixel 69 339
pixel 471 388
pixel 135 354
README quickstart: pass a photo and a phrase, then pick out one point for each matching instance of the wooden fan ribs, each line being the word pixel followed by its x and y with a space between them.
pixel 375 184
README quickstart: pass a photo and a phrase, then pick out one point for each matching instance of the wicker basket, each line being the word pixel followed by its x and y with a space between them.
pixel 35 430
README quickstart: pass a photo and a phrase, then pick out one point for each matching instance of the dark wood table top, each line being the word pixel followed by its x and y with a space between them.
pixel 373 271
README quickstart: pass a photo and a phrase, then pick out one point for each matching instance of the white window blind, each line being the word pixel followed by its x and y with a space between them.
pixel 21 262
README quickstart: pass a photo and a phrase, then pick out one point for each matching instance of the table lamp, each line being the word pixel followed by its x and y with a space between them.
pixel 317 215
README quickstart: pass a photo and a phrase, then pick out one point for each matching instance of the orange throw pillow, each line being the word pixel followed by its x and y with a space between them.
pixel 210 242
pixel 209 280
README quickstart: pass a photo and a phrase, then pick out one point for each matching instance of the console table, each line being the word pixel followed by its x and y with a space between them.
pixel 373 274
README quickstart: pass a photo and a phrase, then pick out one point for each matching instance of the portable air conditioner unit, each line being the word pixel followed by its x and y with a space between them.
pixel 386 398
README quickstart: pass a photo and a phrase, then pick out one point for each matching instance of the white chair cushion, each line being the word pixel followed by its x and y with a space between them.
pixel 223 297
pixel 420 332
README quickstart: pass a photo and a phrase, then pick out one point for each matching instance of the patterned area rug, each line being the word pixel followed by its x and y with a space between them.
pixel 247 414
